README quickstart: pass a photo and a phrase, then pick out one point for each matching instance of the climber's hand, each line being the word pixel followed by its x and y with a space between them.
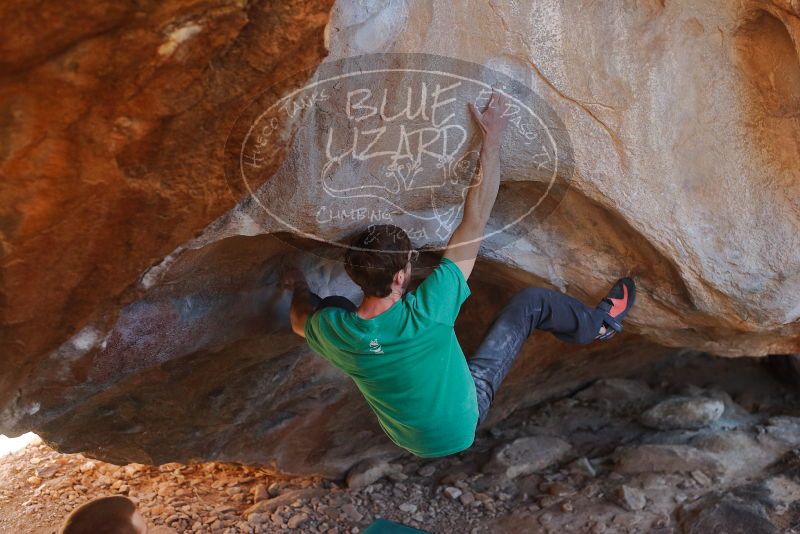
pixel 493 120
pixel 293 278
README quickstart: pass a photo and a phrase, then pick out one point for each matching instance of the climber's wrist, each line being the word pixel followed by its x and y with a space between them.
pixel 491 138
pixel 301 285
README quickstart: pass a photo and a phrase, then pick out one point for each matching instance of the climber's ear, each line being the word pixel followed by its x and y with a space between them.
pixel 400 277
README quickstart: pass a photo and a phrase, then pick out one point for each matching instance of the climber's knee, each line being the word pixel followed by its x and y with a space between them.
pixel 531 295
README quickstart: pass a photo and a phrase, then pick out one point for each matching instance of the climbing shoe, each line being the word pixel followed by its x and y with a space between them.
pixel 616 306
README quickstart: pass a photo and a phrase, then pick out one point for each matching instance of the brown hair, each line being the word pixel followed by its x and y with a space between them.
pixel 375 255
pixel 110 515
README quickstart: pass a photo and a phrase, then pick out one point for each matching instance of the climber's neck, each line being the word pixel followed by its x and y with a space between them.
pixel 374 306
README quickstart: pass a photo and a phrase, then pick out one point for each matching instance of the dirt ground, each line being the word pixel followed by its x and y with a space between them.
pixel 621 473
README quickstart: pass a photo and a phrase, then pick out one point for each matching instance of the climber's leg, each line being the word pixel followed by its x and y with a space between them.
pixel 531 308
pixel 334 300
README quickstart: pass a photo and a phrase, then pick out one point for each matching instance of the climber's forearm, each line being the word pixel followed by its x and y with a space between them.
pixel 481 195
pixel 482 192
pixel 302 307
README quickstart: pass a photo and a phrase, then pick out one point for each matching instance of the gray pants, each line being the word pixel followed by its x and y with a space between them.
pixel 531 308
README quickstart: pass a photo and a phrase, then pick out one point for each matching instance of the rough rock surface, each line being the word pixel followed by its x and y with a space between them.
pixel 38 486
pixel 139 296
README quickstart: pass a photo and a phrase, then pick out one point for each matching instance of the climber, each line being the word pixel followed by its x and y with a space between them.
pixel 400 348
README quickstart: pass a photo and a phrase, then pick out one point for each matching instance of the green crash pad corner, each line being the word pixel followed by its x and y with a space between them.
pixel 384 526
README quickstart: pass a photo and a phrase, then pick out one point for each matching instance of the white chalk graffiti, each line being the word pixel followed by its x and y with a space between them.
pixel 393 145
pixel 420 146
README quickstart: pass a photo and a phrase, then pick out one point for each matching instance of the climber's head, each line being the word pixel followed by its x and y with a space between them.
pixel 115 515
pixel 379 260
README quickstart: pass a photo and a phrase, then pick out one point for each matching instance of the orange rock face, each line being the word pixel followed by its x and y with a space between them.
pixel 112 119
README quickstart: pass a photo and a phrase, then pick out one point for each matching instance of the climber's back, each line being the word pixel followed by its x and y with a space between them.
pixel 407 363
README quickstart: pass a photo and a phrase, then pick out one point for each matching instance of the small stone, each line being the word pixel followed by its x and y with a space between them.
pixel 701 478
pixel 666 459
pixel 558 489
pixel 631 499
pixel 467 498
pixel 87 466
pixel 548 500
pixel 297 520
pixel 452 492
pixel 582 466
pixel 47 471
pixel 453 477
pixel 132 469
pixel 483 497
pixel 287 499
pixel 260 493
pixel 675 413
pixel 223 509
pixel 367 472
pixel 426 470
pixel 410 467
pixel 408 507
pixel 274 489
pixel 351 512
pixel 157 510
pixel 396 475
pixel 527 455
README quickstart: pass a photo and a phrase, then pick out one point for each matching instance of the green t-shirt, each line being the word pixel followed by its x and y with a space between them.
pixel 408 364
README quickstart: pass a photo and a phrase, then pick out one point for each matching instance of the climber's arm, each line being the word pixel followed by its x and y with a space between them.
pixel 463 246
pixel 302 300
pixel 302 308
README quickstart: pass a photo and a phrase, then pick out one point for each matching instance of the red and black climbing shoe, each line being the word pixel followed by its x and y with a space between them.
pixel 617 304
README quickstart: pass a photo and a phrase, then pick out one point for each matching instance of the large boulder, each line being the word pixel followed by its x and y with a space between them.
pixel 141 316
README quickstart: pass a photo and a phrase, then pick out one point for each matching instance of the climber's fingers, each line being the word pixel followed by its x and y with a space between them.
pixel 479 114
pixel 495 117
pixel 493 100
pixel 292 277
